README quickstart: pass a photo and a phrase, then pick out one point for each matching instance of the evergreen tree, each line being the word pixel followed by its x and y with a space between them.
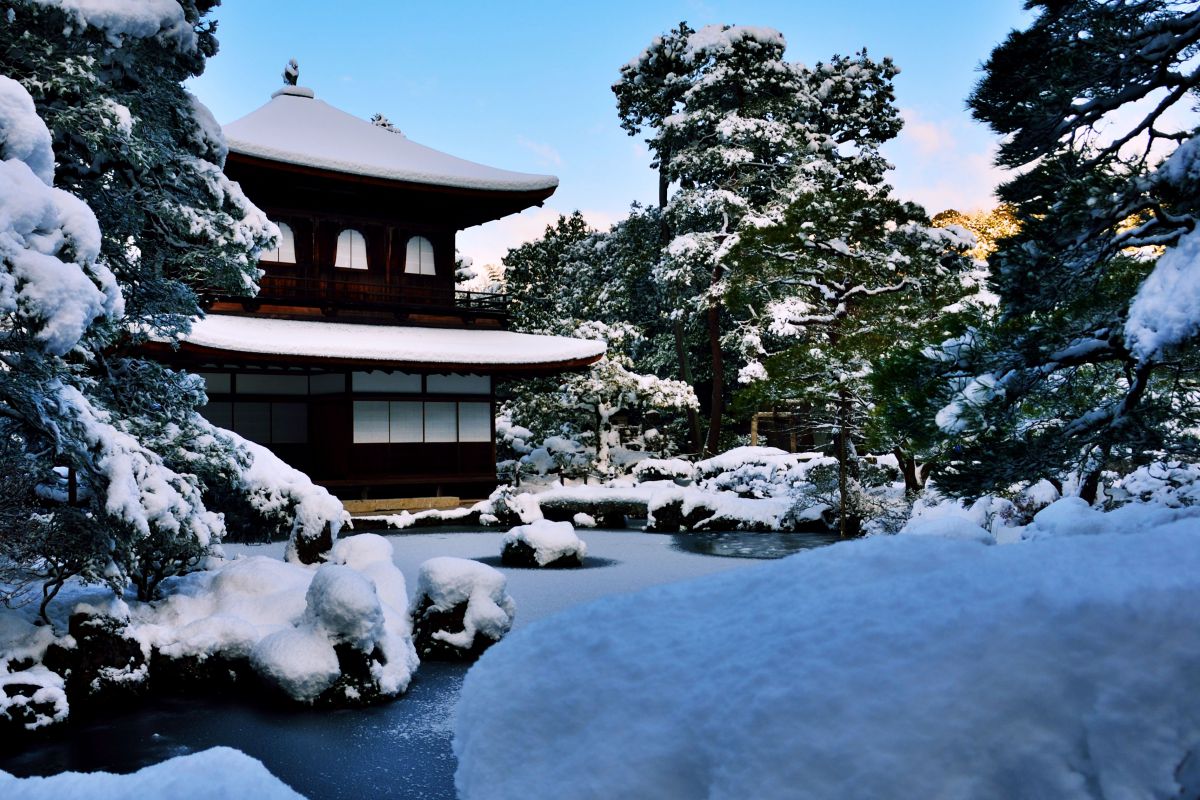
pixel 148 226
pixel 1091 361
pixel 732 125
pixel 601 291
pixel 827 293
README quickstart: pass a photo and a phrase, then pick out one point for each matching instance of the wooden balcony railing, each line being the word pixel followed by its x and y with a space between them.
pixel 332 295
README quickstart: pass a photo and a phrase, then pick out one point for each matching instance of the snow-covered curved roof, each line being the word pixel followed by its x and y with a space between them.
pixel 296 128
pixel 487 349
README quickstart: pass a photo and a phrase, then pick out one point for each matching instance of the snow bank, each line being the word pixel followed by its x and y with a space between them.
pixel 550 542
pixel 445 583
pixel 896 666
pixel 215 774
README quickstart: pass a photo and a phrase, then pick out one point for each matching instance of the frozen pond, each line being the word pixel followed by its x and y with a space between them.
pixel 402 749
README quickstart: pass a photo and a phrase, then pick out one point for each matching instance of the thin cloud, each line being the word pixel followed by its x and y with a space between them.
pixel 545 153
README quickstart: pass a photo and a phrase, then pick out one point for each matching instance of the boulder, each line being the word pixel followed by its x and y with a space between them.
pixel 105 666
pixel 543 544
pixel 461 608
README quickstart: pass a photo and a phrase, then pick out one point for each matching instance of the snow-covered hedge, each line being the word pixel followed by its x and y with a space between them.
pixel 896 666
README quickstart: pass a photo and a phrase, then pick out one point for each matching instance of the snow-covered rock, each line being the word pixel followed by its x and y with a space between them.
pixel 461 608
pixel 895 666
pixel 543 544
pixel 215 774
pixel 353 642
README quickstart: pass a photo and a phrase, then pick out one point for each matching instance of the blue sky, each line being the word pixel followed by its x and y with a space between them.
pixel 525 85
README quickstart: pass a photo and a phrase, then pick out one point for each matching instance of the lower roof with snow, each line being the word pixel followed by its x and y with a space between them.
pixel 390 345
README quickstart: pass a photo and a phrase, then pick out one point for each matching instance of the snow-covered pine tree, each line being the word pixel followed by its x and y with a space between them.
pixel 121 135
pixel 1092 361
pixel 828 292
pixel 602 290
pixel 731 124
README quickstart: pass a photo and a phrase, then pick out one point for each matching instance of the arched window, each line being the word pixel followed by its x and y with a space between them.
pixel 351 250
pixel 285 253
pixel 418 258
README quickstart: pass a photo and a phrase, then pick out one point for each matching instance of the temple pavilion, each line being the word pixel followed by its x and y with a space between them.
pixel 358 361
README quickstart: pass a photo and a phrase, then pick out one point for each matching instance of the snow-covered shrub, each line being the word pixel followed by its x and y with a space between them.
pixel 664 469
pixel 675 509
pixel 543 544
pixel 1171 483
pixel 461 608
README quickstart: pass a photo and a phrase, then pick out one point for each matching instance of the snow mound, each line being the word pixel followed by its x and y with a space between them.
pixel 896 666
pixel 742 456
pixel 444 583
pixel 949 527
pixel 657 469
pixel 550 541
pixel 358 600
pixel 215 774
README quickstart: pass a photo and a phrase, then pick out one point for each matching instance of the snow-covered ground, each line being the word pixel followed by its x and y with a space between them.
pixel 1065 664
pixel 216 774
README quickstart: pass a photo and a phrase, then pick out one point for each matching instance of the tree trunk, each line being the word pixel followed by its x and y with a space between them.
pixel 663 183
pixel 849 525
pixel 685 372
pixel 718 376
pixel 1090 487
pixel 913 475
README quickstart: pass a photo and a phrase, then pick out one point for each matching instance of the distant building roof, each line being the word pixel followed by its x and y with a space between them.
pixel 489 350
pixel 296 128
